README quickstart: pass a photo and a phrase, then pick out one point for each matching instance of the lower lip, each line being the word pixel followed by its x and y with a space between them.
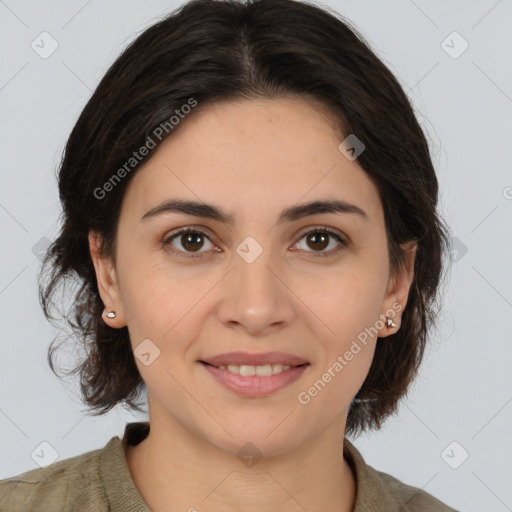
pixel 254 385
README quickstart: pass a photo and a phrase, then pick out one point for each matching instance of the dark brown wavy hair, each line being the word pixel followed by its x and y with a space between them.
pixel 216 50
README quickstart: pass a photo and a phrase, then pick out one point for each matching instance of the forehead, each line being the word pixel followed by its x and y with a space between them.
pixel 253 157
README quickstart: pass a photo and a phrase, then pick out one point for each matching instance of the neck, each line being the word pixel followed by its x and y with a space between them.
pixel 174 469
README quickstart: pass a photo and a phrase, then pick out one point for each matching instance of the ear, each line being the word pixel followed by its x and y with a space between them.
pixel 398 289
pixel 107 282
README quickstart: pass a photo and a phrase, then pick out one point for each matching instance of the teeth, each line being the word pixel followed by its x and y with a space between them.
pixel 261 371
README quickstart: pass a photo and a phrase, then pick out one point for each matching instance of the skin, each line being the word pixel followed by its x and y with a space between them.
pixel 253 158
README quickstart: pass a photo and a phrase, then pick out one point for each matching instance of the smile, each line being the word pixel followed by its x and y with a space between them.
pixel 255 381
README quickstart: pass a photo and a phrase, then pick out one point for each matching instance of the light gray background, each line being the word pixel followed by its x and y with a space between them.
pixel 464 391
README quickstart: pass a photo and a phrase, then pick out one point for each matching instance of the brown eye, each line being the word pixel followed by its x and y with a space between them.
pixel 317 240
pixel 187 241
pixel 320 238
pixel 192 241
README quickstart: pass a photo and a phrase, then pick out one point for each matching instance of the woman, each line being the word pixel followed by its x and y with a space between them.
pixel 250 209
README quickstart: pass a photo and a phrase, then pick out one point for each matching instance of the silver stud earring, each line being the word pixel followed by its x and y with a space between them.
pixel 389 322
pixel 111 314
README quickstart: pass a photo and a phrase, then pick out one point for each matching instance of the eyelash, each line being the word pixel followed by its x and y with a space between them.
pixel 323 229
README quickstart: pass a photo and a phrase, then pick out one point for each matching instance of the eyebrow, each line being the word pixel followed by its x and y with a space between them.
pixel 293 213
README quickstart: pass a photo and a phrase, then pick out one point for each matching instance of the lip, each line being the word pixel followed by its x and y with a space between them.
pixel 245 358
pixel 255 386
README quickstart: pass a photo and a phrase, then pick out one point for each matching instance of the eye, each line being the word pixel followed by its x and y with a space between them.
pixel 318 239
pixel 191 241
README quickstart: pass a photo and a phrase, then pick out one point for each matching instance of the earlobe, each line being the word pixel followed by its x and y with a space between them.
pixel 107 283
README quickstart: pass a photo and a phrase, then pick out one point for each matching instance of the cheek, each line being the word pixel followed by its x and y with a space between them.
pixel 163 312
pixel 164 307
pixel 349 305
pixel 347 302
pixel 346 356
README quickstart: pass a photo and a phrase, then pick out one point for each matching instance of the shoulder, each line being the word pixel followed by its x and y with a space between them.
pixel 378 491
pixel 69 484
pixel 411 499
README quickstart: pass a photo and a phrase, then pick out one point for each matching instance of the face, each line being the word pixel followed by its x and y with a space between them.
pixel 304 283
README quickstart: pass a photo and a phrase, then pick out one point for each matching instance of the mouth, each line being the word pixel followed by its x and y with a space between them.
pixel 255 375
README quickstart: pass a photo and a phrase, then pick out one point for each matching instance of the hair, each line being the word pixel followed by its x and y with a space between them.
pixel 227 50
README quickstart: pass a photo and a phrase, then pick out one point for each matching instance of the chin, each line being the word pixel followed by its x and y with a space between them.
pixel 256 438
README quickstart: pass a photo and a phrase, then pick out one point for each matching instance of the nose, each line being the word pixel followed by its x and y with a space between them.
pixel 255 296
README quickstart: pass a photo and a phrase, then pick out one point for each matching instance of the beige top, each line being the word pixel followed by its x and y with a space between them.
pixel 100 480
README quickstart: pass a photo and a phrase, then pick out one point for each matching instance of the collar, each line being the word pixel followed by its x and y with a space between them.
pixel 373 493
pixel 119 486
